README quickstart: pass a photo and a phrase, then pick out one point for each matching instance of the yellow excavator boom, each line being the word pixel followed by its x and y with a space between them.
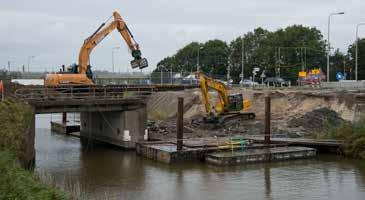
pixel 205 84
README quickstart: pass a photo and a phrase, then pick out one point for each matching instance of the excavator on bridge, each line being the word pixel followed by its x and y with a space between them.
pixel 81 74
pixel 227 107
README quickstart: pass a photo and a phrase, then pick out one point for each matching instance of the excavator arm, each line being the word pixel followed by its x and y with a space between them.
pixel 205 84
pixel 119 24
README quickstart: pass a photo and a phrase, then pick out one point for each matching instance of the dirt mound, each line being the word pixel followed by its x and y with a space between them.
pixel 163 105
pixel 317 119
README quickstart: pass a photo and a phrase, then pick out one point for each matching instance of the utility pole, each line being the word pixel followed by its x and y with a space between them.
pixel 279 62
pixel 29 59
pixel 9 66
pixel 113 49
pixel 198 59
pixel 305 58
pixel 228 70
pixel 242 60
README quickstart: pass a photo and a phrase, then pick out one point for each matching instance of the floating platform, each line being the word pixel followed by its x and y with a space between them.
pixel 322 145
pixel 67 128
pixel 259 155
pixel 194 149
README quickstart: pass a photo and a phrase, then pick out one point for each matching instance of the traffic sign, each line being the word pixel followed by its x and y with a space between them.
pixel 302 74
pixel 339 76
pixel 316 71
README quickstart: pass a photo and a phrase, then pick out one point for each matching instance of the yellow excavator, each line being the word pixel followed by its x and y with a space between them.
pixel 81 74
pixel 227 107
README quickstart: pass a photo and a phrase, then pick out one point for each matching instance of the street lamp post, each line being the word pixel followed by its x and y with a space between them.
pixel 29 59
pixel 357 48
pixel 198 59
pixel 161 73
pixel 328 43
pixel 113 49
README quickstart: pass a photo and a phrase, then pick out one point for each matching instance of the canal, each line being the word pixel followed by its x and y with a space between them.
pixel 104 172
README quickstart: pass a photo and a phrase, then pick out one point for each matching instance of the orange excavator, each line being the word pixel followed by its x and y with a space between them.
pixel 81 74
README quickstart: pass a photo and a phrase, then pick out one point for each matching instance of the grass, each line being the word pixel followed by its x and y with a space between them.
pixel 17 183
pixel 15 121
pixel 353 135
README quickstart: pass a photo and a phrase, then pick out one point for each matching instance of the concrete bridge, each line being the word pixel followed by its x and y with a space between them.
pixel 114 114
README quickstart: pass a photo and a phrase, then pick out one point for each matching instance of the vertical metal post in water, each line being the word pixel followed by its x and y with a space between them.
pixel 267 119
pixel 64 118
pixel 179 123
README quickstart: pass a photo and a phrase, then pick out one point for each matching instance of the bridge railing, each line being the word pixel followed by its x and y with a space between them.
pixel 82 93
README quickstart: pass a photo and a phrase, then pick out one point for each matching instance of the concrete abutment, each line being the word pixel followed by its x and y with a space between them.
pixel 120 128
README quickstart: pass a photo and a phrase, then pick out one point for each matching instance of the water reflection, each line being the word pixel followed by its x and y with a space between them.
pixel 267 182
pixel 105 172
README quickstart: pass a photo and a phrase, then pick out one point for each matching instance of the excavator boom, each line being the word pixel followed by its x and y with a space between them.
pixel 119 24
pixel 81 74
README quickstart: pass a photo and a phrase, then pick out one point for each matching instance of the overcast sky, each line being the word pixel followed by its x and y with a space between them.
pixel 54 31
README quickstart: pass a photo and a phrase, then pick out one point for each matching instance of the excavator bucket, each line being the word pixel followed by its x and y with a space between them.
pixel 139 63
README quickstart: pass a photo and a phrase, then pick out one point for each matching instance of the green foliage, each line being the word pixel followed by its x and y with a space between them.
pixel 350 67
pixel 353 136
pixel 261 49
pixel 15 118
pixel 213 57
pixel 17 183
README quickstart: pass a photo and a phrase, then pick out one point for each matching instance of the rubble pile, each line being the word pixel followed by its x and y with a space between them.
pixel 316 120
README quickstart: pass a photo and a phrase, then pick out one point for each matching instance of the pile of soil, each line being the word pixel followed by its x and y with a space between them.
pixel 316 120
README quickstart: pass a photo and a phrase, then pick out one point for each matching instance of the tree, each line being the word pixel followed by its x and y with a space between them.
pixel 296 45
pixel 254 47
pixel 289 49
pixel 361 59
pixel 213 56
pixel 338 62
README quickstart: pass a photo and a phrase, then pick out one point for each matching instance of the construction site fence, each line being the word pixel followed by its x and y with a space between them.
pixel 187 78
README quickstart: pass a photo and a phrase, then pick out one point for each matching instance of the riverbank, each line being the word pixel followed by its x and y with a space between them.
pixel 18 183
pixel 352 134
pixel 17 153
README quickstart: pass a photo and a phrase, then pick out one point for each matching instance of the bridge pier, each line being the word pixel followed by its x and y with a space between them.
pixel 120 128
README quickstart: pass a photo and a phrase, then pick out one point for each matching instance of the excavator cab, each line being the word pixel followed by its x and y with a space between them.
pixel 235 102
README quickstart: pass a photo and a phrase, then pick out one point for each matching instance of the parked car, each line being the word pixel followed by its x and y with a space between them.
pixel 276 81
pixel 248 82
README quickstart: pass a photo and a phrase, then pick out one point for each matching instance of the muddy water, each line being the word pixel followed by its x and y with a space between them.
pixel 103 172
